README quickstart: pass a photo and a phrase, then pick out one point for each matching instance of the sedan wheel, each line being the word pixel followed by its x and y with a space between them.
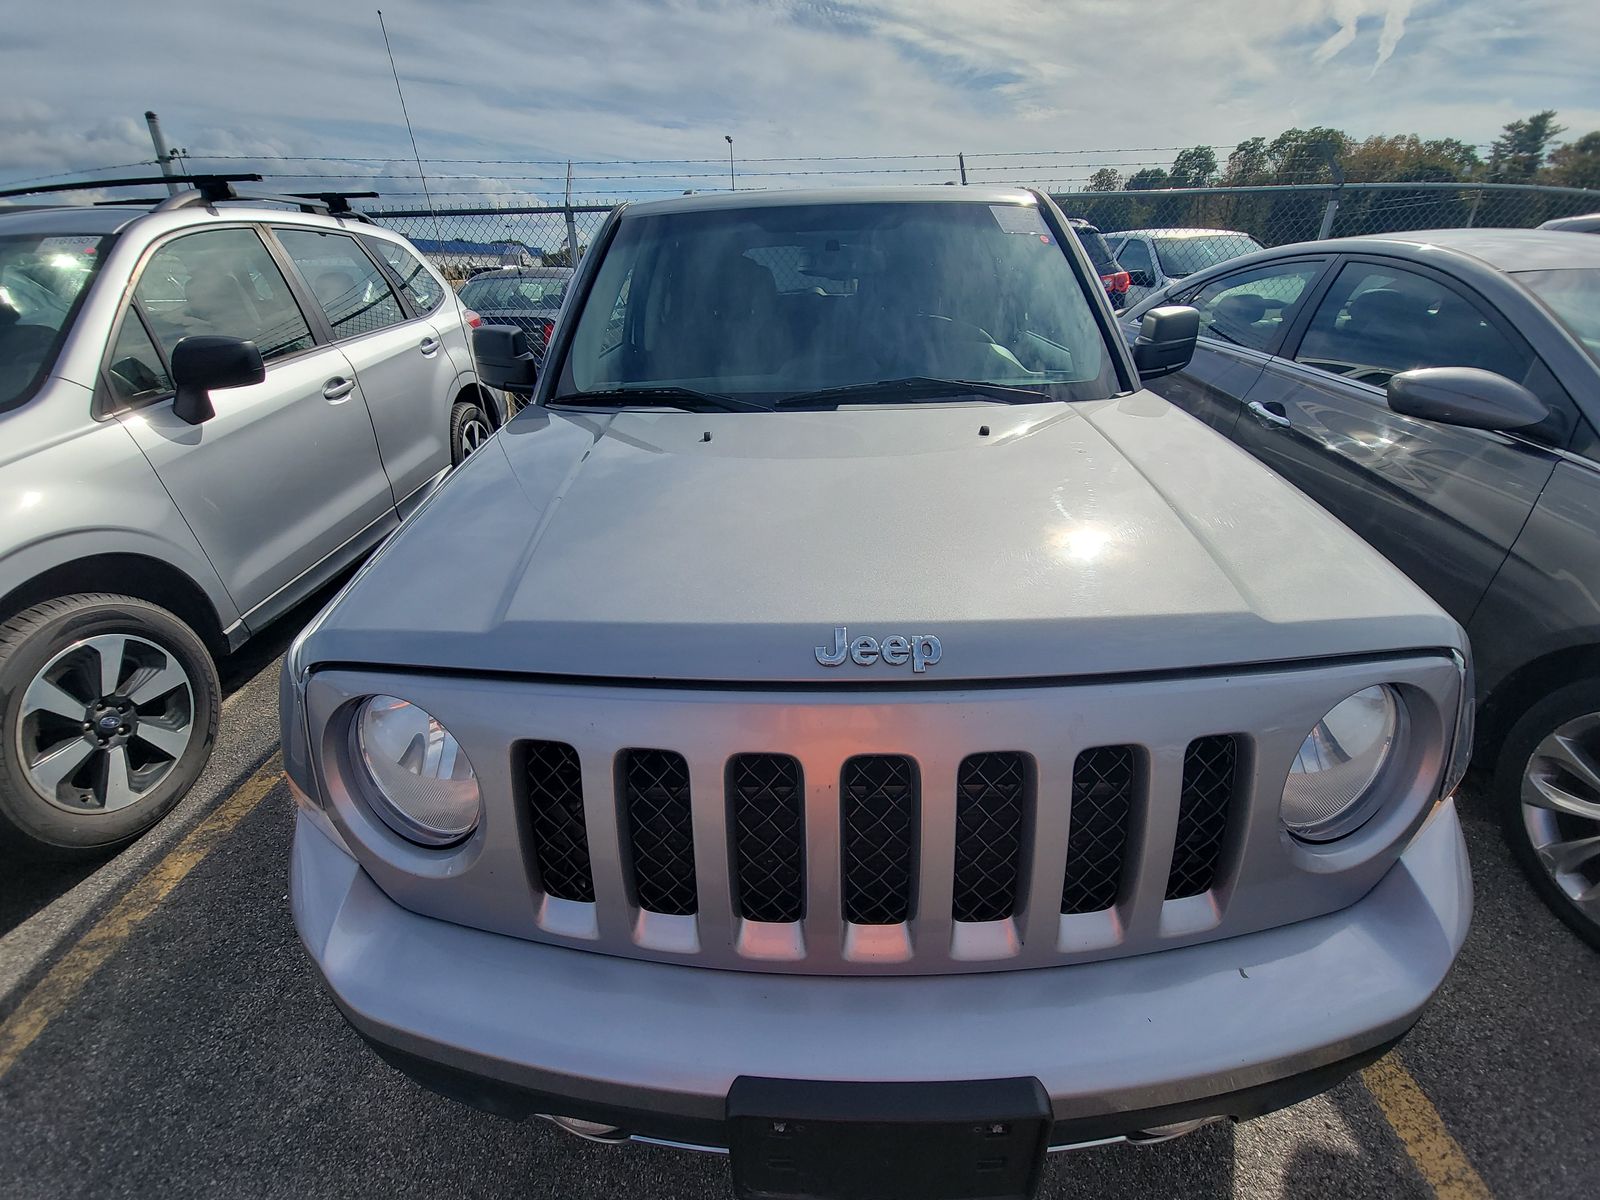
pixel 1561 810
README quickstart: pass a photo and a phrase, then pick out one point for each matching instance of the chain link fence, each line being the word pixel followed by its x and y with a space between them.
pixel 463 242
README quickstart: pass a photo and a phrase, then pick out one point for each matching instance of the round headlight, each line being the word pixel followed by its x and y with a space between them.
pixel 1338 764
pixel 425 788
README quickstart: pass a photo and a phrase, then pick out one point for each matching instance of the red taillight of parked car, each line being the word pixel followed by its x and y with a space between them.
pixel 473 319
pixel 547 328
pixel 1117 282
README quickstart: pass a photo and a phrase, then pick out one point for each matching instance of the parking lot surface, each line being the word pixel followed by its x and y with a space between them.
pixel 161 1034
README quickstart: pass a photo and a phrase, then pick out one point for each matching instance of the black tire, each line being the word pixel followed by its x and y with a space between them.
pixel 469 428
pixel 1539 722
pixel 28 643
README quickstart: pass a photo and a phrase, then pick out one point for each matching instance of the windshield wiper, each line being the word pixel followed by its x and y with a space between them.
pixel 673 397
pixel 913 387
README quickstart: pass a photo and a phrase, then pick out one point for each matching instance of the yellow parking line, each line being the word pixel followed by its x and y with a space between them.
pixel 52 994
pixel 1412 1115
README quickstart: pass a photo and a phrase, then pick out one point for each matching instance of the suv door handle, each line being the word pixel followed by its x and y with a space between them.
pixel 1270 413
pixel 337 388
pixel 430 345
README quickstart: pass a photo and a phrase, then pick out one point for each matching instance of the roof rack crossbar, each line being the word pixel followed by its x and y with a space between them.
pixel 218 189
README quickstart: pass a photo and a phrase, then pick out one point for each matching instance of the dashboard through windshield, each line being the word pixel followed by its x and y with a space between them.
pixel 770 302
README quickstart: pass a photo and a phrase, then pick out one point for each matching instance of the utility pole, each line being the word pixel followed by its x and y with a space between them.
pixel 163 155
pixel 733 185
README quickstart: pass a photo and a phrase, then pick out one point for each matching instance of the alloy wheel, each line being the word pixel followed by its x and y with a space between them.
pixel 1561 810
pixel 105 721
pixel 474 433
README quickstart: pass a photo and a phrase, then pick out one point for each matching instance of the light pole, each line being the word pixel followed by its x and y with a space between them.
pixel 732 185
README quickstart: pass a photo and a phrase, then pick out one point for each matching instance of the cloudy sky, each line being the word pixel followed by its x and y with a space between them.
pixel 1053 86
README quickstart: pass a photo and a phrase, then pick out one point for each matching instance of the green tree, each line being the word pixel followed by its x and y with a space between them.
pixel 1247 164
pixel 1145 180
pixel 1576 163
pixel 1519 151
pixel 1194 167
pixel 1306 155
pixel 1106 179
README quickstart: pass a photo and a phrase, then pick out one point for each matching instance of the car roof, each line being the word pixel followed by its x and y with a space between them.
pixel 1504 249
pixel 551 272
pixel 1585 223
pixel 783 197
pixel 66 218
pixel 1177 232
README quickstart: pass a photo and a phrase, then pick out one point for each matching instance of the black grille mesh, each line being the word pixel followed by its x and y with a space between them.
pixel 655 786
pixel 1104 780
pixel 1209 767
pixel 560 839
pixel 766 811
pixel 878 794
pixel 991 797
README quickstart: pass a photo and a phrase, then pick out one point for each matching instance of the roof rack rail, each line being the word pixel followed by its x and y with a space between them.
pixel 214 189
pixel 85 185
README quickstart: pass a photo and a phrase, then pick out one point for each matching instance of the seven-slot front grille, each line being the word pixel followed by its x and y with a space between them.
pixel 878 803
pixel 881 816
pixel 655 788
pixel 1209 766
pixel 766 816
pixel 991 800
pixel 1103 785
pixel 560 837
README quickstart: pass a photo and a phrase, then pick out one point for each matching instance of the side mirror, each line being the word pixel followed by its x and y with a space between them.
pixel 1166 340
pixel 202 363
pixel 1465 396
pixel 505 360
pixel 1141 279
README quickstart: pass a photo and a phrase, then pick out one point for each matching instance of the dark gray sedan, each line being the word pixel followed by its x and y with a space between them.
pixel 1481 480
pixel 527 297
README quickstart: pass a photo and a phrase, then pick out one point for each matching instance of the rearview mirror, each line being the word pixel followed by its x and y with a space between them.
pixel 204 362
pixel 1166 340
pixel 1465 396
pixel 505 360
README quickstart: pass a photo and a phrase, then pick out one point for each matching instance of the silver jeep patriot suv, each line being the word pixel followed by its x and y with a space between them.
pixel 845 721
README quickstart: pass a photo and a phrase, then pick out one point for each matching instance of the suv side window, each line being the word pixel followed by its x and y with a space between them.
pixel 136 371
pixel 1250 308
pixel 1377 320
pixel 353 293
pixel 220 281
pixel 421 288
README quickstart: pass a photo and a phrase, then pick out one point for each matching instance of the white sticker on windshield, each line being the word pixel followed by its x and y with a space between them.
pixel 1020 218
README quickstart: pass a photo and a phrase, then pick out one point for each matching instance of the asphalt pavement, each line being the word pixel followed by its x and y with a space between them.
pixel 198 1057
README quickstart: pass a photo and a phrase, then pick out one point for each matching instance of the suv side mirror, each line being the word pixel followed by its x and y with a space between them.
pixel 1141 279
pixel 201 363
pixel 1465 396
pixel 1166 340
pixel 505 360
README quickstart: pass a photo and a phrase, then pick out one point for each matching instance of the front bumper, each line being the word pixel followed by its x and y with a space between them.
pixel 1229 1028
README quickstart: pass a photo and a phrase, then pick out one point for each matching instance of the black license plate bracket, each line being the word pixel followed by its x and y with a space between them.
pixel 979 1139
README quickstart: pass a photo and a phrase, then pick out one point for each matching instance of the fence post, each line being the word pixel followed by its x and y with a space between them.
pixel 1329 213
pixel 572 224
pixel 1477 199
pixel 961 165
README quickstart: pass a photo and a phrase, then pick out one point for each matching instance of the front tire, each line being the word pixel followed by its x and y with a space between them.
pixel 469 429
pixel 108 711
pixel 1547 789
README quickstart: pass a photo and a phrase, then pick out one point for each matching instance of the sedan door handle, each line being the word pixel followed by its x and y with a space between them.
pixel 1270 413
pixel 337 388
pixel 429 345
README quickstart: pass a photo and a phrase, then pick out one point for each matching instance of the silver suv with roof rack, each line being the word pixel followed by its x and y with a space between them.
pixel 872 734
pixel 208 408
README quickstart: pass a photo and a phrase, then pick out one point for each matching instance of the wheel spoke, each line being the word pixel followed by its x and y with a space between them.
pixel 171 742
pixel 1543 793
pixel 1574 758
pixel 111 647
pixel 50 770
pixel 44 696
pixel 158 683
pixel 117 791
pixel 1562 858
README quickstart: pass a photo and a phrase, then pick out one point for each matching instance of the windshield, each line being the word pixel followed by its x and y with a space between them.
pixel 1574 297
pixel 1185 256
pixel 42 278
pixel 768 302
pixel 521 291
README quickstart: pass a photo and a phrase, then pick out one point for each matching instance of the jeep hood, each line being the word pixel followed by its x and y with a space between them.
pixel 1045 540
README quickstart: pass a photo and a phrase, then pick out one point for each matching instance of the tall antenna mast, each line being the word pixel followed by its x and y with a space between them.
pixel 417 154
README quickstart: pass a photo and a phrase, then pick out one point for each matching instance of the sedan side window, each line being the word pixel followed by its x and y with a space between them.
pixel 135 371
pixel 1250 308
pixel 221 282
pixel 1377 321
pixel 347 284
pixel 1134 255
pixel 421 288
